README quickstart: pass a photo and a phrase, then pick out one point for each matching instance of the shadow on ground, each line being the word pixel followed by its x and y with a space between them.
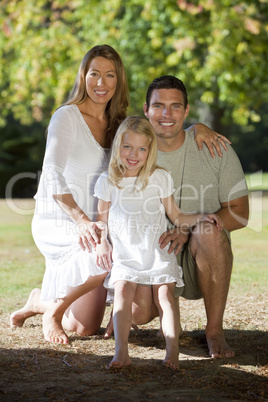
pixel 77 372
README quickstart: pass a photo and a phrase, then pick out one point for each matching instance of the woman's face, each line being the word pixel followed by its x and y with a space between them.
pixel 101 80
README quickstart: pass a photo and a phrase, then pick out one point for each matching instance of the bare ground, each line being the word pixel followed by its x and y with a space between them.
pixel 34 370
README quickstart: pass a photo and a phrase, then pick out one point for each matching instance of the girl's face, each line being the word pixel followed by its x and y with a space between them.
pixel 134 151
pixel 101 80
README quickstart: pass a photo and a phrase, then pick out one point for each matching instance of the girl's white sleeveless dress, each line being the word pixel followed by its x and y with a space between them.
pixel 73 161
pixel 136 221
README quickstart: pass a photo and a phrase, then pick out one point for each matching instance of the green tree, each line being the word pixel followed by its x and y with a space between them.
pixel 218 48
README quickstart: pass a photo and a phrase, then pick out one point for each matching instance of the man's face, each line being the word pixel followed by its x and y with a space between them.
pixel 166 112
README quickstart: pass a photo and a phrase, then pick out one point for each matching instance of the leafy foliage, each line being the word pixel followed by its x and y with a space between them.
pixel 218 48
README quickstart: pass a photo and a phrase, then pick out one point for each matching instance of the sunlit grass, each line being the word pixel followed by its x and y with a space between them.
pixel 22 265
pixel 257 181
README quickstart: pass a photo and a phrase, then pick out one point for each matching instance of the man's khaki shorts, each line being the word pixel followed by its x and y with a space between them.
pixel 191 290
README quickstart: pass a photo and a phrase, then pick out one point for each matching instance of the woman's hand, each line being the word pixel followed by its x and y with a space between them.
pixel 104 254
pixel 90 233
pixel 211 138
pixel 213 218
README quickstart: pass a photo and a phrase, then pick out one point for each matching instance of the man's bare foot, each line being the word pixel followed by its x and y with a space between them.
pixel 173 364
pixel 119 361
pixel 52 329
pixel 31 308
pixel 218 347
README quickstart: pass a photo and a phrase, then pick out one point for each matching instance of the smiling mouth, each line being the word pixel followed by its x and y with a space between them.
pixel 101 93
pixel 165 124
pixel 132 163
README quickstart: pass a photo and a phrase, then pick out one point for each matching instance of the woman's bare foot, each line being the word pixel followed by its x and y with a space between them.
pixel 218 347
pixel 119 361
pixel 31 308
pixel 173 364
pixel 52 329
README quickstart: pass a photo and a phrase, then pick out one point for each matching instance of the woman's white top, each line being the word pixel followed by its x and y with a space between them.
pixel 136 221
pixel 73 161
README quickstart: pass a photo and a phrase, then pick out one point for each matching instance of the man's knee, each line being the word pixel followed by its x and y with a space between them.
pixel 140 316
pixel 207 237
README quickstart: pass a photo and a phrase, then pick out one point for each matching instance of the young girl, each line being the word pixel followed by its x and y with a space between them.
pixel 134 196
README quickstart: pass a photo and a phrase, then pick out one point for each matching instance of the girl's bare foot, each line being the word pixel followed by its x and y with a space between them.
pixel 174 365
pixel 31 308
pixel 52 329
pixel 120 361
pixel 218 347
pixel 172 355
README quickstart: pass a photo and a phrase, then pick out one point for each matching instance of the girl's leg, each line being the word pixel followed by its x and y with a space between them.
pixel 169 318
pixel 124 293
pixel 160 332
pixel 144 309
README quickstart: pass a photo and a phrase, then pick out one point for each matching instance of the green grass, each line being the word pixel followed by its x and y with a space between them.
pixel 250 248
pixel 22 266
pixel 257 181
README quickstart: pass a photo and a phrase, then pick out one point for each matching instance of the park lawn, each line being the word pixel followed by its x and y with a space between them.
pixel 250 250
pixel 257 181
pixel 32 369
pixel 22 265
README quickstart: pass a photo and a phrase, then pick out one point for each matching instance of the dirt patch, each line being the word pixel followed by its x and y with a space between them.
pixel 33 370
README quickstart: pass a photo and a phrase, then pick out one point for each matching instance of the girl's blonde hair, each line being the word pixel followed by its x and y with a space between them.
pixel 116 168
pixel 117 106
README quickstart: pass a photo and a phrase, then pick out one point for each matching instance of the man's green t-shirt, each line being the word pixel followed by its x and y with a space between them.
pixel 201 182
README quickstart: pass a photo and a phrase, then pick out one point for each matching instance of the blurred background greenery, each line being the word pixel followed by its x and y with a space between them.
pixel 218 48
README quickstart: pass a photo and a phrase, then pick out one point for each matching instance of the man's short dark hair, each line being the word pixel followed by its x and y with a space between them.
pixel 166 82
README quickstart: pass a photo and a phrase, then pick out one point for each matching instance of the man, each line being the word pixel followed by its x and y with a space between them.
pixel 203 185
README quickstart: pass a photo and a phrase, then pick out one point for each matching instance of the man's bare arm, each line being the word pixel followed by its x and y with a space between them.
pixel 234 214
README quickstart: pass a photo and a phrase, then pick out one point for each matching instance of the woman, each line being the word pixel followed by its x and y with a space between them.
pixel 80 134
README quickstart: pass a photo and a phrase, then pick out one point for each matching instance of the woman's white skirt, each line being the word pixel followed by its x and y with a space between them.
pixel 67 265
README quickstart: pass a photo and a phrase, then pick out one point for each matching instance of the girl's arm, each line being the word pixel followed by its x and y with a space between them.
pixel 186 221
pixel 210 138
pixel 104 248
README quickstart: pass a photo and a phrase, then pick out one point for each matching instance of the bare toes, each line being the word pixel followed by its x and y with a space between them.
pixel 218 347
pixel 172 365
pixel 53 331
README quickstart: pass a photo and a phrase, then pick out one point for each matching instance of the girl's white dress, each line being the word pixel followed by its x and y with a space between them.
pixel 136 221
pixel 73 161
